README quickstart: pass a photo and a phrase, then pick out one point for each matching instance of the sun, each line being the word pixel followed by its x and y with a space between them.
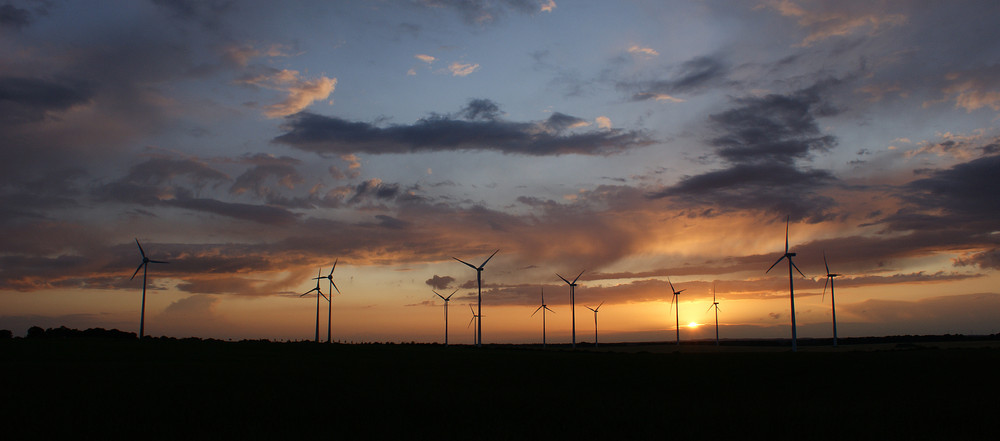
pixel 693 325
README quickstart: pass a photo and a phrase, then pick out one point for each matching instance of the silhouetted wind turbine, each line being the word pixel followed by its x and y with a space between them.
pixel 677 316
pixel 715 304
pixel 595 320
pixel 319 294
pixel 479 283
pixel 833 301
pixel 791 285
pixel 475 336
pixel 142 266
pixel 543 308
pixel 329 301
pixel 572 301
pixel 446 299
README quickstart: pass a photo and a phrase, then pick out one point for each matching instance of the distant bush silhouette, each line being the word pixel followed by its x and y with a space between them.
pixel 5 334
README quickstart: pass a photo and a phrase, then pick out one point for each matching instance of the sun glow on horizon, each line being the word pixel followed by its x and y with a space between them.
pixel 694 325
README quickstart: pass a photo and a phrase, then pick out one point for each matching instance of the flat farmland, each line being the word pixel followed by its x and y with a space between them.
pixel 192 389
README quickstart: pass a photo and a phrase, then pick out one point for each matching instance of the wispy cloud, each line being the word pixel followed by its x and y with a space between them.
pixel 462 69
pixel 301 92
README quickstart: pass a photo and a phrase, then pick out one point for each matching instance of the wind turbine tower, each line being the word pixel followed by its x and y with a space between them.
pixel 142 266
pixel 329 301
pixel 479 302
pixel 318 295
pixel 833 301
pixel 572 301
pixel 446 300
pixel 677 309
pixel 598 308
pixel 715 304
pixel 791 285
pixel 475 336
pixel 543 308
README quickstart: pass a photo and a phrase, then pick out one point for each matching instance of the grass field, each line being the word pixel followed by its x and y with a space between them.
pixel 190 389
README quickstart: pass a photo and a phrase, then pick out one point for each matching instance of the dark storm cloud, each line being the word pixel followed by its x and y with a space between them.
pixel 773 128
pixel 693 76
pixel 480 109
pixel 986 260
pixel 967 191
pixel 25 99
pixel 374 190
pixel 332 135
pixel 13 17
pixel 762 139
pixel 440 282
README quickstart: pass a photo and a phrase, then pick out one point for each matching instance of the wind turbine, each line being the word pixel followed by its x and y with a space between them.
pixel 543 308
pixel 677 316
pixel 142 266
pixel 595 320
pixel 572 301
pixel 479 283
pixel 318 295
pixel 715 304
pixel 791 285
pixel 329 301
pixel 475 336
pixel 446 299
pixel 833 302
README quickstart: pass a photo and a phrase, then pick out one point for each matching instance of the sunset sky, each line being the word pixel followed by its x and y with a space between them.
pixel 253 143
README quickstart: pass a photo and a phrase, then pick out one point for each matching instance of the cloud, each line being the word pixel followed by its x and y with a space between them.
pixel 24 99
pixel 831 22
pixel 462 69
pixel 323 134
pixel 644 51
pixel 762 139
pixel 975 89
pixel 266 167
pixel 603 122
pixel 481 12
pixel 692 76
pixel 13 17
pixel 425 58
pixel 301 92
pixel 963 196
pixel 989 259
pixel 440 282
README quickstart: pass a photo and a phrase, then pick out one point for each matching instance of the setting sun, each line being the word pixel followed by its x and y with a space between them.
pixel 693 325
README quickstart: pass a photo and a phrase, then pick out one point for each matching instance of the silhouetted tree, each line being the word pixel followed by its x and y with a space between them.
pixel 5 334
pixel 36 332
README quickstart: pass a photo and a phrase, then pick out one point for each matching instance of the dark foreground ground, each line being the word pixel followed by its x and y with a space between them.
pixel 175 389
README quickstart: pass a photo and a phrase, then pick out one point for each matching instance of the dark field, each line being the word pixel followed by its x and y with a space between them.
pixel 177 389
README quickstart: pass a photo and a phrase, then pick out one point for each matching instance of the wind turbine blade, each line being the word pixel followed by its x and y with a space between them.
pixel 564 279
pixel 536 310
pixel 672 303
pixel 158 261
pixel 592 309
pixel 599 306
pixel 449 295
pixel 549 309
pixel 685 289
pixel 578 276
pixel 470 322
pixel 710 308
pixel 466 263
pixel 774 264
pixel 786 233
pixel 137 270
pixel 488 259
pixel 324 297
pixel 334 265
pixel 307 292
pixel 797 268
pixel 671 285
pixel 140 249
pixel 439 295
pixel 825 284
pixel 826 264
